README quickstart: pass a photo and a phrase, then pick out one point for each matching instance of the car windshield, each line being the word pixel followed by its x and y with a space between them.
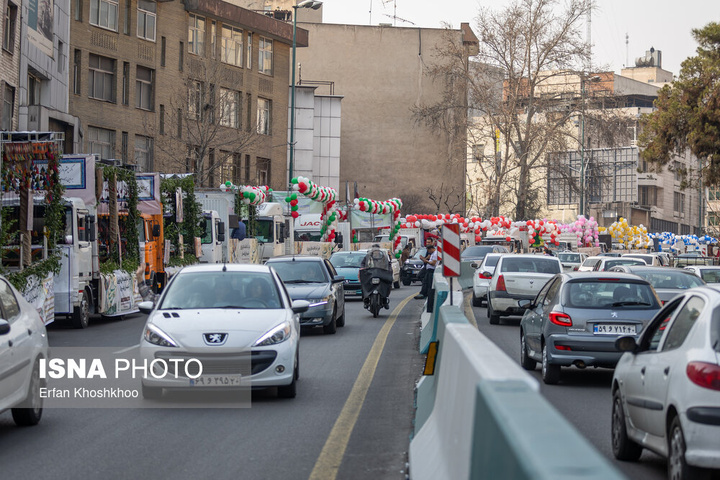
pixel 530 265
pixel 668 279
pixel 609 293
pixel 201 290
pixel 648 259
pixel 421 253
pixel 622 261
pixel 476 251
pixel 590 262
pixel 347 260
pixel 569 257
pixel 299 272
pixel 710 275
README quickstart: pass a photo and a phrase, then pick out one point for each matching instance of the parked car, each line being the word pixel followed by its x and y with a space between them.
pixel 693 258
pixel 666 387
pixel 609 254
pixel 576 318
pixel 571 261
pixel 347 264
pixel 518 277
pixel 481 279
pixel 23 342
pixel 312 278
pixel 667 282
pixel 411 270
pixel 709 274
pixel 589 264
pixel 476 253
pixel 652 259
pixel 606 263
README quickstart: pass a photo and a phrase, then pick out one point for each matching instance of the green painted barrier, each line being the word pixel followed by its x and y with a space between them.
pixel 429 333
pixel 519 435
pixel 466 275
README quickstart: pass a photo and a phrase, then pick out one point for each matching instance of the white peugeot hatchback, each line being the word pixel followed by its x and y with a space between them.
pixel 666 387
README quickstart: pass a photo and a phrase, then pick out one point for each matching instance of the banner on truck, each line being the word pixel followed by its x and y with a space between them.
pixel 41 295
pixel 119 294
pixel 359 219
pixel 319 249
pixel 244 251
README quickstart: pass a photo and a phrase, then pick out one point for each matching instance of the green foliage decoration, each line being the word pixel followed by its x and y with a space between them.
pixel 192 215
pixel 131 258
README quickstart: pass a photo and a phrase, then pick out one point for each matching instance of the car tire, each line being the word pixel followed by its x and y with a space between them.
pixel 289 391
pixel 81 313
pixel 331 327
pixel 492 317
pixel 525 361
pixel 151 393
pixel 31 413
pixel 341 319
pixel 476 301
pixel 676 464
pixel 406 282
pixel 550 373
pixel 622 447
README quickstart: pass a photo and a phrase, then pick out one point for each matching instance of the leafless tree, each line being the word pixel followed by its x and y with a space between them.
pixel 412 203
pixel 205 129
pixel 446 198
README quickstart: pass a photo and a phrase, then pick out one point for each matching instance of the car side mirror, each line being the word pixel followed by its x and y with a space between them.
pixel 338 279
pixel 4 327
pixel 626 344
pixel 525 303
pixel 91 228
pixel 300 306
pixel 146 307
pixel 475 265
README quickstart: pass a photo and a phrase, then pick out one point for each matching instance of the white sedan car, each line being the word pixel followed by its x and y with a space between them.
pixel 236 319
pixel 666 387
pixel 709 273
pixel 23 342
pixel 481 279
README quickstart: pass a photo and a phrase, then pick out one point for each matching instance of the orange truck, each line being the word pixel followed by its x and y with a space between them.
pixel 152 240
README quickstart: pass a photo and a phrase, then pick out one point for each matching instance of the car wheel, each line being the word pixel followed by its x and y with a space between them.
pixel 81 313
pixel 494 319
pixel 151 393
pixel 331 327
pixel 550 373
pixel 289 391
pixel 406 282
pixel 525 361
pixel 678 469
pixel 623 448
pixel 476 301
pixel 341 319
pixel 31 411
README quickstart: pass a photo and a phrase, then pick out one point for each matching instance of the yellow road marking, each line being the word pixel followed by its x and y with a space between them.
pixel 469 313
pixel 328 463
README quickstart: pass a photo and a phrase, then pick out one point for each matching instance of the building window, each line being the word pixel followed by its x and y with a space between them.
pixel 104 13
pixel 179 123
pixel 263 171
pixel 8 107
pixel 229 108
pixel 126 84
pixel 195 94
pixel 213 40
pixel 62 58
pixel 34 84
pixel 713 219
pixel 124 148
pixel 162 119
pixel 713 193
pixel 77 56
pixel 263 116
pixel 647 196
pixel 248 57
pixel 181 57
pixel 9 27
pixel 196 35
pixel 478 152
pixel 144 88
pixel 102 142
pixel 232 46
pixel 101 78
pixel 208 111
pixel 78 10
pixel 226 172
pixel 147 15
pixel 144 153
pixel 126 18
pixel 679 202
pixel 677 167
pixel 248 117
pixel 247 168
pixel 265 56
pixel 162 51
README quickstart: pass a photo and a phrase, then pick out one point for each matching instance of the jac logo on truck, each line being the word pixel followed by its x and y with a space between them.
pixel 310 223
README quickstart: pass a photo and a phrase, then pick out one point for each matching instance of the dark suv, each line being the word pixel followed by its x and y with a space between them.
pixel 410 271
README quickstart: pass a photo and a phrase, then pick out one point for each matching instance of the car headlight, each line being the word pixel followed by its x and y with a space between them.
pixel 274 336
pixel 157 337
pixel 316 302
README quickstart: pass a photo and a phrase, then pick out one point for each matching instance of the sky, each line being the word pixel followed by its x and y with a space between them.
pixel 662 24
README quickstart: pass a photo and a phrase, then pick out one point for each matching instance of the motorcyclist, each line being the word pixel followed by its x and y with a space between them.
pixel 376 258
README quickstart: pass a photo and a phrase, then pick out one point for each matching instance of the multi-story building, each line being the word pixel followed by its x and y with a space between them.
pixel 198 86
pixel 10 65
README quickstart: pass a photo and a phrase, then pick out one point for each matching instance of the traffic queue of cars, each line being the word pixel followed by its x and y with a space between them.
pixel 657 326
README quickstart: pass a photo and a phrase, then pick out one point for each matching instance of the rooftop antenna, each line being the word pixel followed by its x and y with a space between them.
pixel 370 22
pixel 627 50
pixel 396 18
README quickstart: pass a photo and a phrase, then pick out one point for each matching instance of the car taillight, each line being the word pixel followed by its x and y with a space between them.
pixel 562 319
pixel 563 347
pixel 500 284
pixel 706 375
pixel 575 269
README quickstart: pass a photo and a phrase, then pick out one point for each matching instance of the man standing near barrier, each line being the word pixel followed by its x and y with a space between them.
pixel 429 260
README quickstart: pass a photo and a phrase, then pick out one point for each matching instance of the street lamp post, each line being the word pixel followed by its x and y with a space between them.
pixel 595 78
pixel 314 4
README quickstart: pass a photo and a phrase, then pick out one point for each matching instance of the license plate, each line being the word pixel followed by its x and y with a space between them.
pixel 614 329
pixel 375 281
pixel 216 381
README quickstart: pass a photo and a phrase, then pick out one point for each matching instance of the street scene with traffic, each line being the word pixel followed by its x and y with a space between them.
pixel 252 240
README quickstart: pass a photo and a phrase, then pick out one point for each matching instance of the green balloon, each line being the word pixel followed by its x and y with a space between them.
pixel 294 180
pixel 293 196
pixel 288 199
pixel 228 183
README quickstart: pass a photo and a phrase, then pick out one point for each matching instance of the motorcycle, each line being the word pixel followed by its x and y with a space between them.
pixel 376 284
